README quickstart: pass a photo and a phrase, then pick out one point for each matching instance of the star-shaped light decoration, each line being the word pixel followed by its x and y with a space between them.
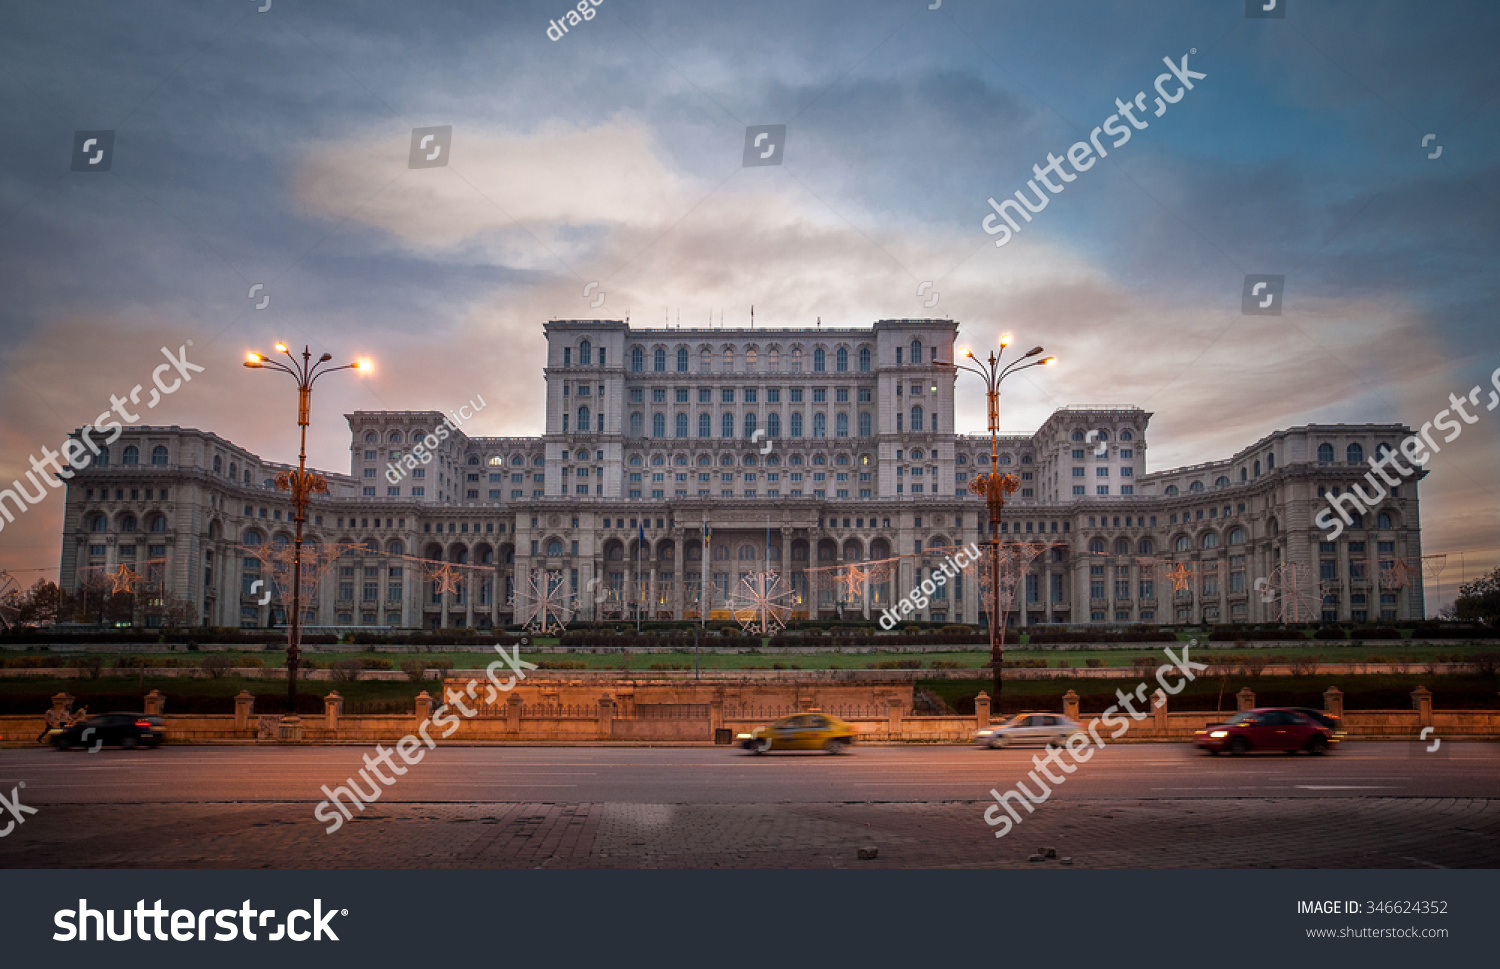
pixel 1398 576
pixel 544 603
pixel 759 603
pixel 1181 576
pixel 124 579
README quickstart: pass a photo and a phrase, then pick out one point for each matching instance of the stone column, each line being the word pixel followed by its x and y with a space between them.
pixel 333 705
pixel 1333 701
pixel 244 705
pixel 513 714
pixel 1246 698
pixel 155 702
pixel 1421 701
pixel 716 712
pixel 893 709
pixel 1159 712
pixel 290 729
pixel 423 707
pixel 1070 705
pixel 62 702
pixel 606 716
pixel 982 710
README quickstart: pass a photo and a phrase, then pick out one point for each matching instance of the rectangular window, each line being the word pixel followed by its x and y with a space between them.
pixel 751 395
pixel 820 395
pixel 682 395
pixel 796 395
pixel 773 395
pixel 727 395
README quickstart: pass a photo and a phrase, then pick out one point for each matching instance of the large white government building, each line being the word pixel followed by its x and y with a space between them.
pixel 802 450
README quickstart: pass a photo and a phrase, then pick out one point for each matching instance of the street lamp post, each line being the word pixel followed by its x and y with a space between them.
pixel 995 487
pixel 301 483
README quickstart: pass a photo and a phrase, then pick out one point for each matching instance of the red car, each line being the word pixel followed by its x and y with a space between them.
pixel 1267 728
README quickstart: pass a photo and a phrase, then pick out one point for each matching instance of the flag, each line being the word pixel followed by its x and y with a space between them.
pixel 643 535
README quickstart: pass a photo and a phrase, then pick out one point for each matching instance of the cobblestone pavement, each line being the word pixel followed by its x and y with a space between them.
pixel 1361 832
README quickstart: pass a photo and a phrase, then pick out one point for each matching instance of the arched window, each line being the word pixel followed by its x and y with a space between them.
pixel 916 418
pixel 1210 540
pixel 396 548
pixel 747 553
pixel 98 523
pixel 637 359
pixel 729 359
pixel 128 523
pixel 864 425
pixel 864 359
pixel 705 360
pixel 658 425
pixel 637 425
pixel 1005 459
pixel 1077 437
pixel 657 460
pixel 681 428
pixel 796 424
pixel 659 360
pixel 705 425
pixel 1195 487
pixel 1183 543
pixel 1096 546
pixel 726 426
pixel 1122 546
pixel 1354 454
pixel 371 437
pixel 132 455
pixel 841 425
pixel 1127 436
pixel 582 455
pixel 750 360
pixel 796 360
pixel 1359 520
pixel 682 360
pixel 818 360
pixel 1257 469
pixel 1221 482
pixel 773 360
pixel 1325 453
pixel 585 420
pixel 1382 449
pixel 841 360
pixel 1244 474
pixel 1172 490
pixel 159 456
pixel 773 425
pixel 554 548
pixel 917 454
pixel 585 353
pixel 721 553
pixel 727 461
pixel 156 523
pixel 916 351
pixel 1145 547
pixel 820 425
pixel 1270 462
pixel 749 425
pixel 218 465
pixel 1383 521
pixel 394 437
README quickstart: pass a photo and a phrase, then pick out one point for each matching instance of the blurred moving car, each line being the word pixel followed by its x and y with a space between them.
pixel 1326 719
pixel 1268 728
pixel 801 731
pixel 111 729
pixel 1028 728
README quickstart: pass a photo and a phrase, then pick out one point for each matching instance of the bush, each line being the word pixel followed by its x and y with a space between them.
pixel 346 670
pixel 899 664
pixel 560 664
pixel 1094 663
pixel 945 664
pixel 1331 632
pixel 216 665
pixel 1305 666
pixel 376 664
pixel 92 666
pixel 1485 664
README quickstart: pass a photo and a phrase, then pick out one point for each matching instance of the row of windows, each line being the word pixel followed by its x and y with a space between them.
pixel 841 359
pixel 750 423
pixel 750 395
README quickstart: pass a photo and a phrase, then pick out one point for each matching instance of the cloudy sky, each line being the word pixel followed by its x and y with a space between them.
pixel 271 148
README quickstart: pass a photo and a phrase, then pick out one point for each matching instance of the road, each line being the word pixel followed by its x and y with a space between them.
pixel 1151 805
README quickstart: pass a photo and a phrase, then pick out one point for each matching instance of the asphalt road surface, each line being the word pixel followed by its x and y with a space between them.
pixel 1368 804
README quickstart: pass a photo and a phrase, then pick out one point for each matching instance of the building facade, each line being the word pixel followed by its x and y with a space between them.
pixel 676 462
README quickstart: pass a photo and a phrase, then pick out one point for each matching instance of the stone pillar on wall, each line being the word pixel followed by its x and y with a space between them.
pixel 716 712
pixel 893 708
pixel 62 702
pixel 1333 701
pixel 244 705
pixel 155 703
pixel 1070 705
pixel 333 705
pixel 1159 712
pixel 606 716
pixel 1246 699
pixel 513 714
pixel 1421 701
pixel 423 707
pixel 982 710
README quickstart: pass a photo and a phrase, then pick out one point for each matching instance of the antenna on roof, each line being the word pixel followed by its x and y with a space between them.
pixel 752 316
pixel 820 322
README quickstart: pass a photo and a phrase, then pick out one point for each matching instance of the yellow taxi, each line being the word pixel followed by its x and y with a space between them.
pixel 800 731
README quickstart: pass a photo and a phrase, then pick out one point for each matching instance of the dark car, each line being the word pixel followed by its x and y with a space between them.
pixel 112 730
pixel 1267 728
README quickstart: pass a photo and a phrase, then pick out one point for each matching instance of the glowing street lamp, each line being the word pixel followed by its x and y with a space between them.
pixel 301 483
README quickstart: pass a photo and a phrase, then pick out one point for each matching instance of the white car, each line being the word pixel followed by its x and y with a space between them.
pixel 1044 729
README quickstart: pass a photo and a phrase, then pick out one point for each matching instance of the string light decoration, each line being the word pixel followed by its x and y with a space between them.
pixel 544 602
pixel 10 601
pixel 759 603
pixel 1292 591
pixel 1398 576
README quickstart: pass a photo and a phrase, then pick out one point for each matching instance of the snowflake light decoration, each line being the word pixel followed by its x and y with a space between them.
pixel 545 603
pixel 1014 563
pixel 1297 597
pixel 10 600
pixel 759 603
